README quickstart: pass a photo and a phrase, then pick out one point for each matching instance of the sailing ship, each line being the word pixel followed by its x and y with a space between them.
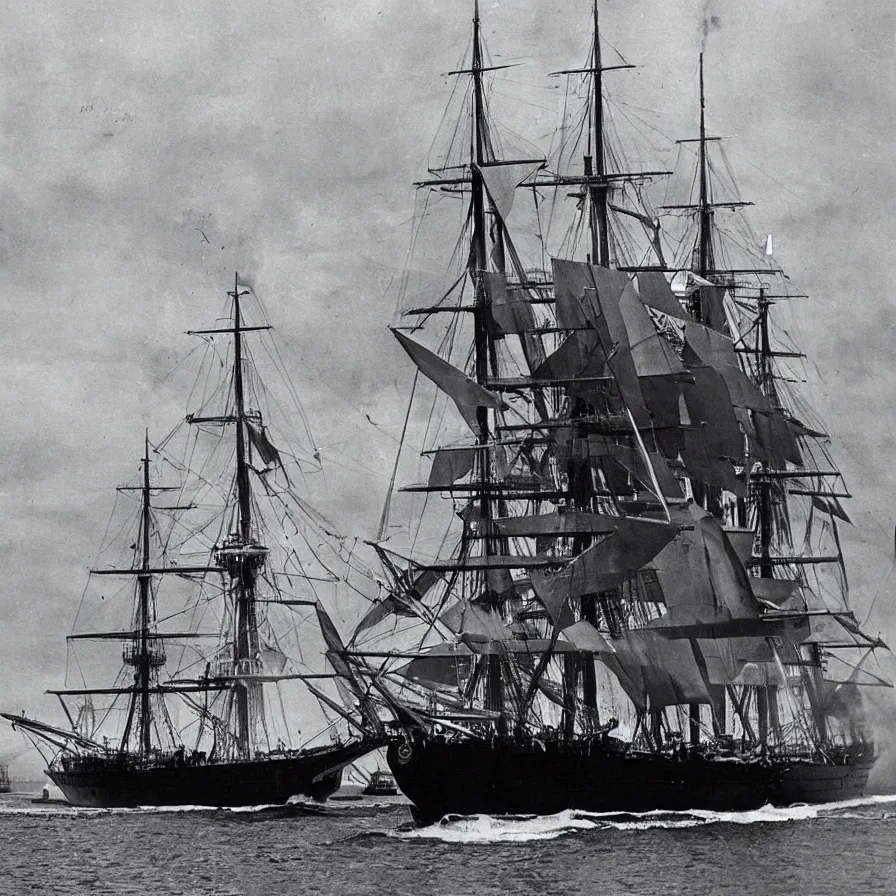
pixel 640 601
pixel 5 785
pixel 233 541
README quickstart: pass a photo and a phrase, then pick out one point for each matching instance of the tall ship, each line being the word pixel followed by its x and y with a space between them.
pixel 225 677
pixel 5 785
pixel 620 585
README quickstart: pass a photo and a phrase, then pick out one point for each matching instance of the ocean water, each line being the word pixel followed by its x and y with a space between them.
pixel 371 847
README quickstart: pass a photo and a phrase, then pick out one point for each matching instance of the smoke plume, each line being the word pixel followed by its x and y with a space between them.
pixel 709 22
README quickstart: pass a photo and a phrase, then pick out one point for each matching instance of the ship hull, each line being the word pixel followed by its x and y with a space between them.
pixel 475 777
pixel 845 778
pixel 111 784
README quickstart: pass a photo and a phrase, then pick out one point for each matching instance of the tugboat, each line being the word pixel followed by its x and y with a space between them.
pixel 381 784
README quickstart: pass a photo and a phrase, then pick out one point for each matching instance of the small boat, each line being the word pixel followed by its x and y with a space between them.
pixel 46 799
pixel 381 784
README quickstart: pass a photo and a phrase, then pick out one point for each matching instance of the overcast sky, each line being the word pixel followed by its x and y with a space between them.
pixel 147 151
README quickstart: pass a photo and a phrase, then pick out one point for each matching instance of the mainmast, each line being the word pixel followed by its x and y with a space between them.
pixel 596 179
pixel 479 260
pixel 244 556
pixel 241 555
pixel 244 490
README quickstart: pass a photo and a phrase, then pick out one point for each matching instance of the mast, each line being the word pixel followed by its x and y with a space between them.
pixel 764 509
pixel 478 256
pixel 600 252
pixel 241 556
pixel 140 655
pixel 596 179
pixel 597 186
pixel 244 491
pixel 483 346
pixel 704 263
pixel 812 670
pixel 705 259
pixel 144 583
pixel 243 570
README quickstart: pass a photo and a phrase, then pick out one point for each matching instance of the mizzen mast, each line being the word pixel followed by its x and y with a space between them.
pixel 705 261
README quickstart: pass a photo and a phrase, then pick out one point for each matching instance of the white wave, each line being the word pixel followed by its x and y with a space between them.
pixel 798 812
pixel 88 812
pixel 522 829
pixel 501 829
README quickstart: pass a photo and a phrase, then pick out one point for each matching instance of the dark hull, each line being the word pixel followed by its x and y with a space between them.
pixel 111 784
pixel 468 777
pixel 821 782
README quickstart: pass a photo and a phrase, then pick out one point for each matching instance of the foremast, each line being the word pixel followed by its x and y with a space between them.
pixel 477 268
pixel 481 569
pixel 143 651
pixel 483 346
pixel 142 657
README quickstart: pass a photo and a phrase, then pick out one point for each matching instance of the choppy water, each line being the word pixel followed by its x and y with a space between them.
pixel 367 847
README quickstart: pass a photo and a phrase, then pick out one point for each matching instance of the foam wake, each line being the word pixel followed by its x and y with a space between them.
pixel 293 807
pixel 526 828
pixel 81 811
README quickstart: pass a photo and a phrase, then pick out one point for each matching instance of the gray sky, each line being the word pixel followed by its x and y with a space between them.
pixel 147 152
